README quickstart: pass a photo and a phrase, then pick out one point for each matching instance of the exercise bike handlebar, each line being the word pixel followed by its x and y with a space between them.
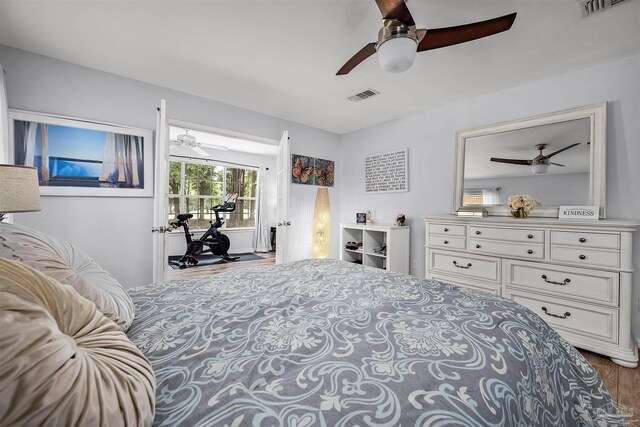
pixel 229 204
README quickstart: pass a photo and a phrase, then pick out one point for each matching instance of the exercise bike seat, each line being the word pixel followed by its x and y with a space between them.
pixel 184 217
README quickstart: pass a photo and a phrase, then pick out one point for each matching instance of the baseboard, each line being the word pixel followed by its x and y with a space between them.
pixel 241 251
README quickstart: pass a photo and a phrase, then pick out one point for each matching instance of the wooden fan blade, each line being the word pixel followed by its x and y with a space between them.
pixel 562 149
pixel 356 59
pixel 395 9
pixel 443 37
pixel 511 161
pixel 557 164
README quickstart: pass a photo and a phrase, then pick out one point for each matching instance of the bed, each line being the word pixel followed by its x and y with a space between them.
pixel 331 343
pixel 309 343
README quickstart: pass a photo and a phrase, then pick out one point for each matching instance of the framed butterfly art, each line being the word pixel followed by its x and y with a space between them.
pixel 311 171
pixel 302 170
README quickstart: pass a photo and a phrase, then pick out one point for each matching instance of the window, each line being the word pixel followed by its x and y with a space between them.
pixel 194 187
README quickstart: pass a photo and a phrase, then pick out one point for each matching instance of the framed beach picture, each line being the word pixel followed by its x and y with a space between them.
pixel 82 158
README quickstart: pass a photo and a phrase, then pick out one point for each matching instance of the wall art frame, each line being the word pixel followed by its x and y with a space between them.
pixel 387 172
pixel 78 157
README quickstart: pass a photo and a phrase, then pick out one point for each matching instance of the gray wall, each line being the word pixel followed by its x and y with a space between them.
pixel 430 138
pixel 568 189
pixel 116 231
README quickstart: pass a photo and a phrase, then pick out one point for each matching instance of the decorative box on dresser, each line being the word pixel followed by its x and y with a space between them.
pixel 395 240
pixel 577 275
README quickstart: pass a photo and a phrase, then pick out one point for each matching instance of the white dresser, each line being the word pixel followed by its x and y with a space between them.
pixel 576 275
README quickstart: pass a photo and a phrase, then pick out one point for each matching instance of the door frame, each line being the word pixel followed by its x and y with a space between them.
pixel 161 197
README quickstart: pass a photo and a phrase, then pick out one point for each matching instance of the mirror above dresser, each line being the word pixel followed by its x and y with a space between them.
pixel 557 158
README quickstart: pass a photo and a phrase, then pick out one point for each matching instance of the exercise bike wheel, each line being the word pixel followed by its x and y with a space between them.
pixel 221 249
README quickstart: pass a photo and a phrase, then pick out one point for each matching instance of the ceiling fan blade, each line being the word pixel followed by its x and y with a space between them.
pixel 511 161
pixel 395 9
pixel 356 59
pixel 562 149
pixel 557 164
pixel 443 37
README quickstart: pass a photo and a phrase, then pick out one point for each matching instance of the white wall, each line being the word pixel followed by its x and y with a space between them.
pixel 570 189
pixel 430 137
pixel 116 231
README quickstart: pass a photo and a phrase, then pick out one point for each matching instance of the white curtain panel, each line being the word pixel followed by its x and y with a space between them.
pixel 4 120
pixel 262 236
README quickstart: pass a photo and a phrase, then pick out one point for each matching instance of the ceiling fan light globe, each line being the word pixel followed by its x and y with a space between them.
pixel 540 168
pixel 397 54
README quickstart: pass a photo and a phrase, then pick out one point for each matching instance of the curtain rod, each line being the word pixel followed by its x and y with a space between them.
pixel 214 160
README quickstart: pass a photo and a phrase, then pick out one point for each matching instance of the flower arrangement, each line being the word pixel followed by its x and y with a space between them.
pixel 520 206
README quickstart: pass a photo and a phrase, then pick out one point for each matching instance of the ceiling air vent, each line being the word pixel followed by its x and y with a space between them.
pixel 363 95
pixel 589 7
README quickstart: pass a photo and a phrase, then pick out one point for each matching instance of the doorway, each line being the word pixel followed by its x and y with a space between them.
pixel 205 166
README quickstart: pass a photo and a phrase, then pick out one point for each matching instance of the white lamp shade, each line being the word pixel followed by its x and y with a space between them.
pixel 321 225
pixel 397 54
pixel 19 189
pixel 540 168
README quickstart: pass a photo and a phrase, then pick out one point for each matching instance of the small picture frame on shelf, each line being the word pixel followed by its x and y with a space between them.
pixel 361 218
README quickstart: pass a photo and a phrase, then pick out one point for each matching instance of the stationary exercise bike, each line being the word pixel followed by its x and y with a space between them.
pixel 216 242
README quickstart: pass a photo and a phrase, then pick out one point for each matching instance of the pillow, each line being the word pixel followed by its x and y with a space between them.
pixel 64 362
pixel 70 266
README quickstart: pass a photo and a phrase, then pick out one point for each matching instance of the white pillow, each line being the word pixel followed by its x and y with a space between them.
pixel 69 265
pixel 63 362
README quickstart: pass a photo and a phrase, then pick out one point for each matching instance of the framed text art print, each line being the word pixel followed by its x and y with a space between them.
pixel 82 158
pixel 386 172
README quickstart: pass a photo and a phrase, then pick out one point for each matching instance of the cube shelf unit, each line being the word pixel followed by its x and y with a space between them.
pixel 374 236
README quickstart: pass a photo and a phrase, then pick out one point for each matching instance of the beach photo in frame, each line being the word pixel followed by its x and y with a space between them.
pixel 76 157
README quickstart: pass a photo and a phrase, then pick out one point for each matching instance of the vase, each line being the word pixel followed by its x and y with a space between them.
pixel 519 213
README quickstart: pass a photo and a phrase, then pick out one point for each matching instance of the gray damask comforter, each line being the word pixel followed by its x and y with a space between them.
pixel 322 342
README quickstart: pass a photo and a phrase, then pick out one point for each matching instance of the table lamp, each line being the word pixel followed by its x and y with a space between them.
pixel 19 189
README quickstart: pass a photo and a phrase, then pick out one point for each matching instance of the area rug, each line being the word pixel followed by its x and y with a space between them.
pixel 210 259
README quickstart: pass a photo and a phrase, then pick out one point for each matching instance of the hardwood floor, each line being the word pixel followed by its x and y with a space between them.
pixel 623 383
pixel 205 270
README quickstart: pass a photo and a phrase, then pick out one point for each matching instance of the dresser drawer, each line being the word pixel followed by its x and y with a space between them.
pixel 511 234
pixel 447 241
pixel 448 229
pixel 474 267
pixel 589 240
pixel 521 250
pixel 575 283
pixel 590 257
pixel 590 321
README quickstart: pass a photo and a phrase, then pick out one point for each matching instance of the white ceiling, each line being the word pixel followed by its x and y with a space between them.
pixel 280 57
pixel 216 142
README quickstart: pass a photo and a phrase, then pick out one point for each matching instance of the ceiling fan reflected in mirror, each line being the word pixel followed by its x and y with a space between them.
pixel 399 40
pixel 540 163
pixel 189 141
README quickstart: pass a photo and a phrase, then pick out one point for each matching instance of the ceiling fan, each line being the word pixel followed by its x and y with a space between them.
pixel 540 163
pixel 189 141
pixel 399 40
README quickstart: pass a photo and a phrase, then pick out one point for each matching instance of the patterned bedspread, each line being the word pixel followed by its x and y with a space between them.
pixel 329 343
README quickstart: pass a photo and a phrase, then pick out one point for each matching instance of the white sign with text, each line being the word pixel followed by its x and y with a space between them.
pixel 579 212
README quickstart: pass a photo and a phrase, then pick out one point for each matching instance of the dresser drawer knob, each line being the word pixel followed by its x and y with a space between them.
pixel 530 251
pixel 564 316
pixel 582 256
pixel 477 246
pixel 530 236
pixel 446 242
pixel 446 229
pixel 478 232
pixel 564 282
pixel 582 240
pixel 462 266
